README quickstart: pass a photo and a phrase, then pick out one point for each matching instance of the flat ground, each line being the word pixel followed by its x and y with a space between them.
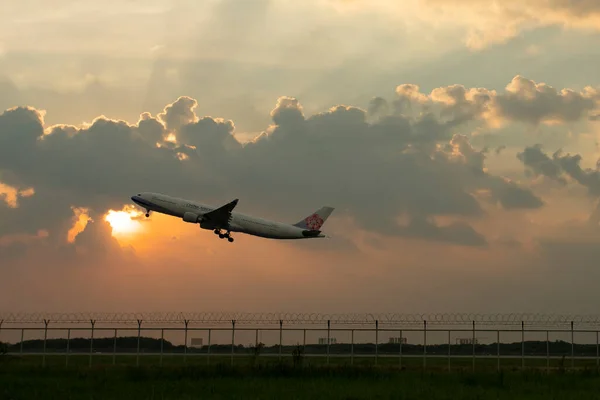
pixel 414 362
pixel 25 378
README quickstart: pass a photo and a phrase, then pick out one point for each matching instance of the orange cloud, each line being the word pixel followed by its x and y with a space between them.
pixel 11 194
pixel 80 221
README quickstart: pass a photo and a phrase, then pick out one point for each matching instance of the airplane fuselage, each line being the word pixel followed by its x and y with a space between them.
pixel 193 212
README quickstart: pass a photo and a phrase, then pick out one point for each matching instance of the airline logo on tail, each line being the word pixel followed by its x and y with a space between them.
pixel 314 222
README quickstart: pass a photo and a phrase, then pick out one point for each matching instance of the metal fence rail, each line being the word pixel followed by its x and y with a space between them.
pixel 422 347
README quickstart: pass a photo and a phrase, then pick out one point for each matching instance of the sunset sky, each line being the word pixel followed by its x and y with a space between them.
pixel 458 141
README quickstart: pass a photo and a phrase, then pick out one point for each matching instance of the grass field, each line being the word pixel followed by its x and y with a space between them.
pixel 480 363
pixel 25 378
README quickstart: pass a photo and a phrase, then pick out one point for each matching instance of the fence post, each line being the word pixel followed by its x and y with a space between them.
pixel 572 346
pixel 498 348
pixel 304 342
pixel 162 344
pixel 68 347
pixel 473 345
pixel 280 337
pixel 328 338
pixel 46 322
pixel 208 351
pixel 400 357
pixel 548 351
pixel 376 342
pixel 93 322
pixel 597 351
pixel 449 345
pixel 185 336
pixel 232 338
pixel 22 338
pixel 352 347
pixel 424 344
pixel 522 344
pixel 137 360
pixel 115 348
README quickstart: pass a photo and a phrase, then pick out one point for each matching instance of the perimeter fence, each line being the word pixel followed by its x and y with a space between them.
pixel 446 341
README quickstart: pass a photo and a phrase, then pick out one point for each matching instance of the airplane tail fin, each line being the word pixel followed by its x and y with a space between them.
pixel 315 221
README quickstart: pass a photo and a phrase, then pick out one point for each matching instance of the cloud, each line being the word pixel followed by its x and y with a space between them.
pixel 559 167
pixel 410 164
pixel 80 221
pixel 523 100
pixel 489 22
pixel 540 164
pixel 178 114
pixel 532 102
pixel 11 195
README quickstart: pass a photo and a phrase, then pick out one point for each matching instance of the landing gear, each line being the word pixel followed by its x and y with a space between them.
pixel 147 213
pixel 224 235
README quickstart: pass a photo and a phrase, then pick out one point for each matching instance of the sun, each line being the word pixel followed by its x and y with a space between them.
pixel 123 222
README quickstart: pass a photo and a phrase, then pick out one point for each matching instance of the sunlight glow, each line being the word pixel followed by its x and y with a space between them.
pixel 124 222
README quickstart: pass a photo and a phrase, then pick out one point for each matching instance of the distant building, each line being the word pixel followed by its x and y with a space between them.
pixel 466 341
pixel 196 342
pixel 396 340
pixel 323 340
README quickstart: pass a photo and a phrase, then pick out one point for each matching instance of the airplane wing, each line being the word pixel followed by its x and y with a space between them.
pixel 222 215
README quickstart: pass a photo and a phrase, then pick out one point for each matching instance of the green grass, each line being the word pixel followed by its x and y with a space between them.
pixel 480 364
pixel 25 378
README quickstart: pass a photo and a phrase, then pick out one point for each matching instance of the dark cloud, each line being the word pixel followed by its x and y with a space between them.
pixel 378 105
pixel 535 159
pixel 413 166
pixel 560 165
pixel 511 196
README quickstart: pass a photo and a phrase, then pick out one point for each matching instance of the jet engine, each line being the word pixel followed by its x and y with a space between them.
pixel 191 217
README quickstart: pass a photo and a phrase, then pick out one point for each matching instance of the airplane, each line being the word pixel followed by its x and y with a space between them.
pixel 219 219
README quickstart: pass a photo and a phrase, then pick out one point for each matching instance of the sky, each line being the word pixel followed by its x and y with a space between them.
pixel 456 139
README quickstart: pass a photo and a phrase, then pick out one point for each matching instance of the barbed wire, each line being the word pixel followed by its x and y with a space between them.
pixel 266 318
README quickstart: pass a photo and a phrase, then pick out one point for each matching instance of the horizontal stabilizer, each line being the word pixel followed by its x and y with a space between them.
pixel 315 221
